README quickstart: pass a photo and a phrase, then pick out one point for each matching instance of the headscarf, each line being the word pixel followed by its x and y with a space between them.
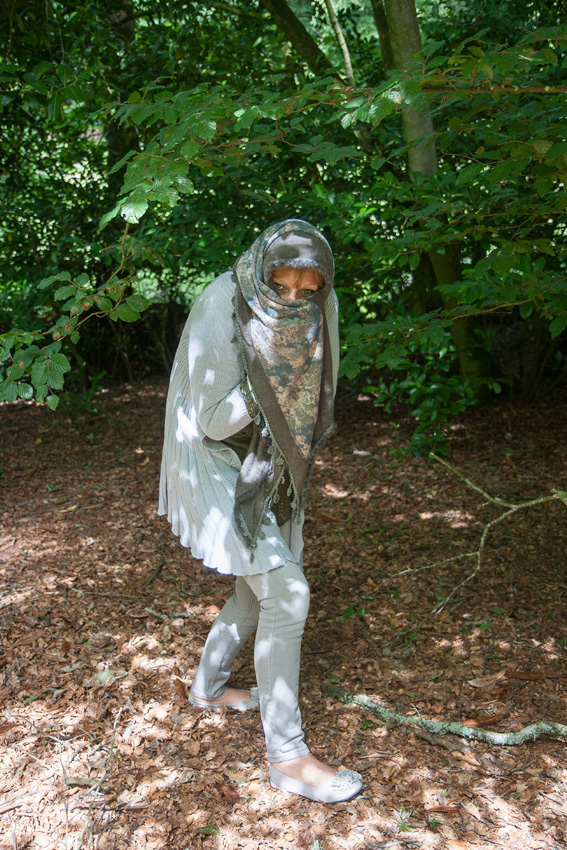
pixel 286 367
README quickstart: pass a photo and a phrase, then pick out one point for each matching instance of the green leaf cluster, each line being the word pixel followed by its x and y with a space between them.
pixel 28 370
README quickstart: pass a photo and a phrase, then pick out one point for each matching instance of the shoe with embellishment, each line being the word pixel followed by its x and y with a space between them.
pixel 344 785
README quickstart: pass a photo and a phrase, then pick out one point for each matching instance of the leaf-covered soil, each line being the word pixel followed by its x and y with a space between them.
pixel 103 616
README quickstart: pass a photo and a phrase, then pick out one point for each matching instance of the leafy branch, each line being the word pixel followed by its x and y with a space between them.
pixel 35 371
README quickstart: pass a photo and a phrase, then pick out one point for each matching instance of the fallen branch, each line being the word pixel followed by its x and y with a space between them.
pixel 84 782
pixel 502 739
pixel 7 807
pixel 512 508
pixel 439 741
pixel 156 614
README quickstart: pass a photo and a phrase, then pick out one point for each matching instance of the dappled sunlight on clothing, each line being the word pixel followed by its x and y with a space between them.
pixel 199 471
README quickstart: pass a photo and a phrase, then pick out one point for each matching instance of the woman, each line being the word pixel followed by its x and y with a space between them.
pixel 250 402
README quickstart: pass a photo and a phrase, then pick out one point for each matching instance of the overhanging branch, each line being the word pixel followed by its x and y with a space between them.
pixel 489 88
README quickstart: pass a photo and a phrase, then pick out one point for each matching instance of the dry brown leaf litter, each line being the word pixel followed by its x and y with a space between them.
pixel 103 617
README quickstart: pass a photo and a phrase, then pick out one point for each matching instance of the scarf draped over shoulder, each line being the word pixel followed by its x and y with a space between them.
pixel 285 360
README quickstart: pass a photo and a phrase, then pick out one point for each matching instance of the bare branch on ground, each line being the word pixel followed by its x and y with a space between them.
pixel 502 739
pixel 557 495
pixel 511 508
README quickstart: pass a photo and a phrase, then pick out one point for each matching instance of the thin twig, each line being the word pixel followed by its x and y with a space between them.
pixel 431 566
pixel 471 576
pixel 155 574
pixel 368 563
pixel 98 786
pixel 38 729
pixel 326 651
pixel 468 482
pixel 35 758
pixel 98 592
pixel 66 804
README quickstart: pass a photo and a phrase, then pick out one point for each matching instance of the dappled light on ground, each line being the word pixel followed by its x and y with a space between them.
pixel 455 519
pixel 104 617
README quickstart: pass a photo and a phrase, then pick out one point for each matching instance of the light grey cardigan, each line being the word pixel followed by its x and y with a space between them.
pixel 204 407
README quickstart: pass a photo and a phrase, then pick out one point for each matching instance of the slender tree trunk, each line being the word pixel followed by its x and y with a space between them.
pixel 305 45
pixel 405 42
pixel 341 41
pixel 120 138
pixel 381 22
pixel 402 29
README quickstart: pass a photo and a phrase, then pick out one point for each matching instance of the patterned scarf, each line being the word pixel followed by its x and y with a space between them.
pixel 287 374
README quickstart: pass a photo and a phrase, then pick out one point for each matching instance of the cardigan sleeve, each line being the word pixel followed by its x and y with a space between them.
pixel 214 372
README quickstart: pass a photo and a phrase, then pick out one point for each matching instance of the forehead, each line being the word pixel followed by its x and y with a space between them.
pixel 290 274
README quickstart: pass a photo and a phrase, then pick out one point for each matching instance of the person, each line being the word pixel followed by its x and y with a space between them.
pixel 250 403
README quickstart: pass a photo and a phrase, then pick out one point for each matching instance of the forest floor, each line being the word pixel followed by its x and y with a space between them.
pixel 103 616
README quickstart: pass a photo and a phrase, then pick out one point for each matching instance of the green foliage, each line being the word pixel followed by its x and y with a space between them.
pixel 142 158
pixel 32 370
pixel 209 830
pixel 426 387
pixel 29 370
pixel 352 612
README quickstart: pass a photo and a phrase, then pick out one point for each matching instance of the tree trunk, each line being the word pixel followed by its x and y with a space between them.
pixel 341 42
pixel 401 27
pixel 474 360
pixel 405 42
pixel 296 33
pixel 424 296
pixel 120 138
pixel 381 22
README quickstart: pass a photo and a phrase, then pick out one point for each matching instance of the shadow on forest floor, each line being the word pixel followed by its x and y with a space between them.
pixel 103 617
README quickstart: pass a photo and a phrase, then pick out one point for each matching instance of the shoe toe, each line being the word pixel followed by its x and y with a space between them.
pixel 344 785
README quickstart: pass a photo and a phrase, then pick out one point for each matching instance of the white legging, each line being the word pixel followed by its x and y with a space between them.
pixel 275 605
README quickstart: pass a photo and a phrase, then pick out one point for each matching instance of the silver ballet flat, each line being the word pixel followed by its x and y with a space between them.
pixel 344 785
pixel 245 705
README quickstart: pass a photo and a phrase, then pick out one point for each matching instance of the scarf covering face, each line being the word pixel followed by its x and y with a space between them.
pixel 287 373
